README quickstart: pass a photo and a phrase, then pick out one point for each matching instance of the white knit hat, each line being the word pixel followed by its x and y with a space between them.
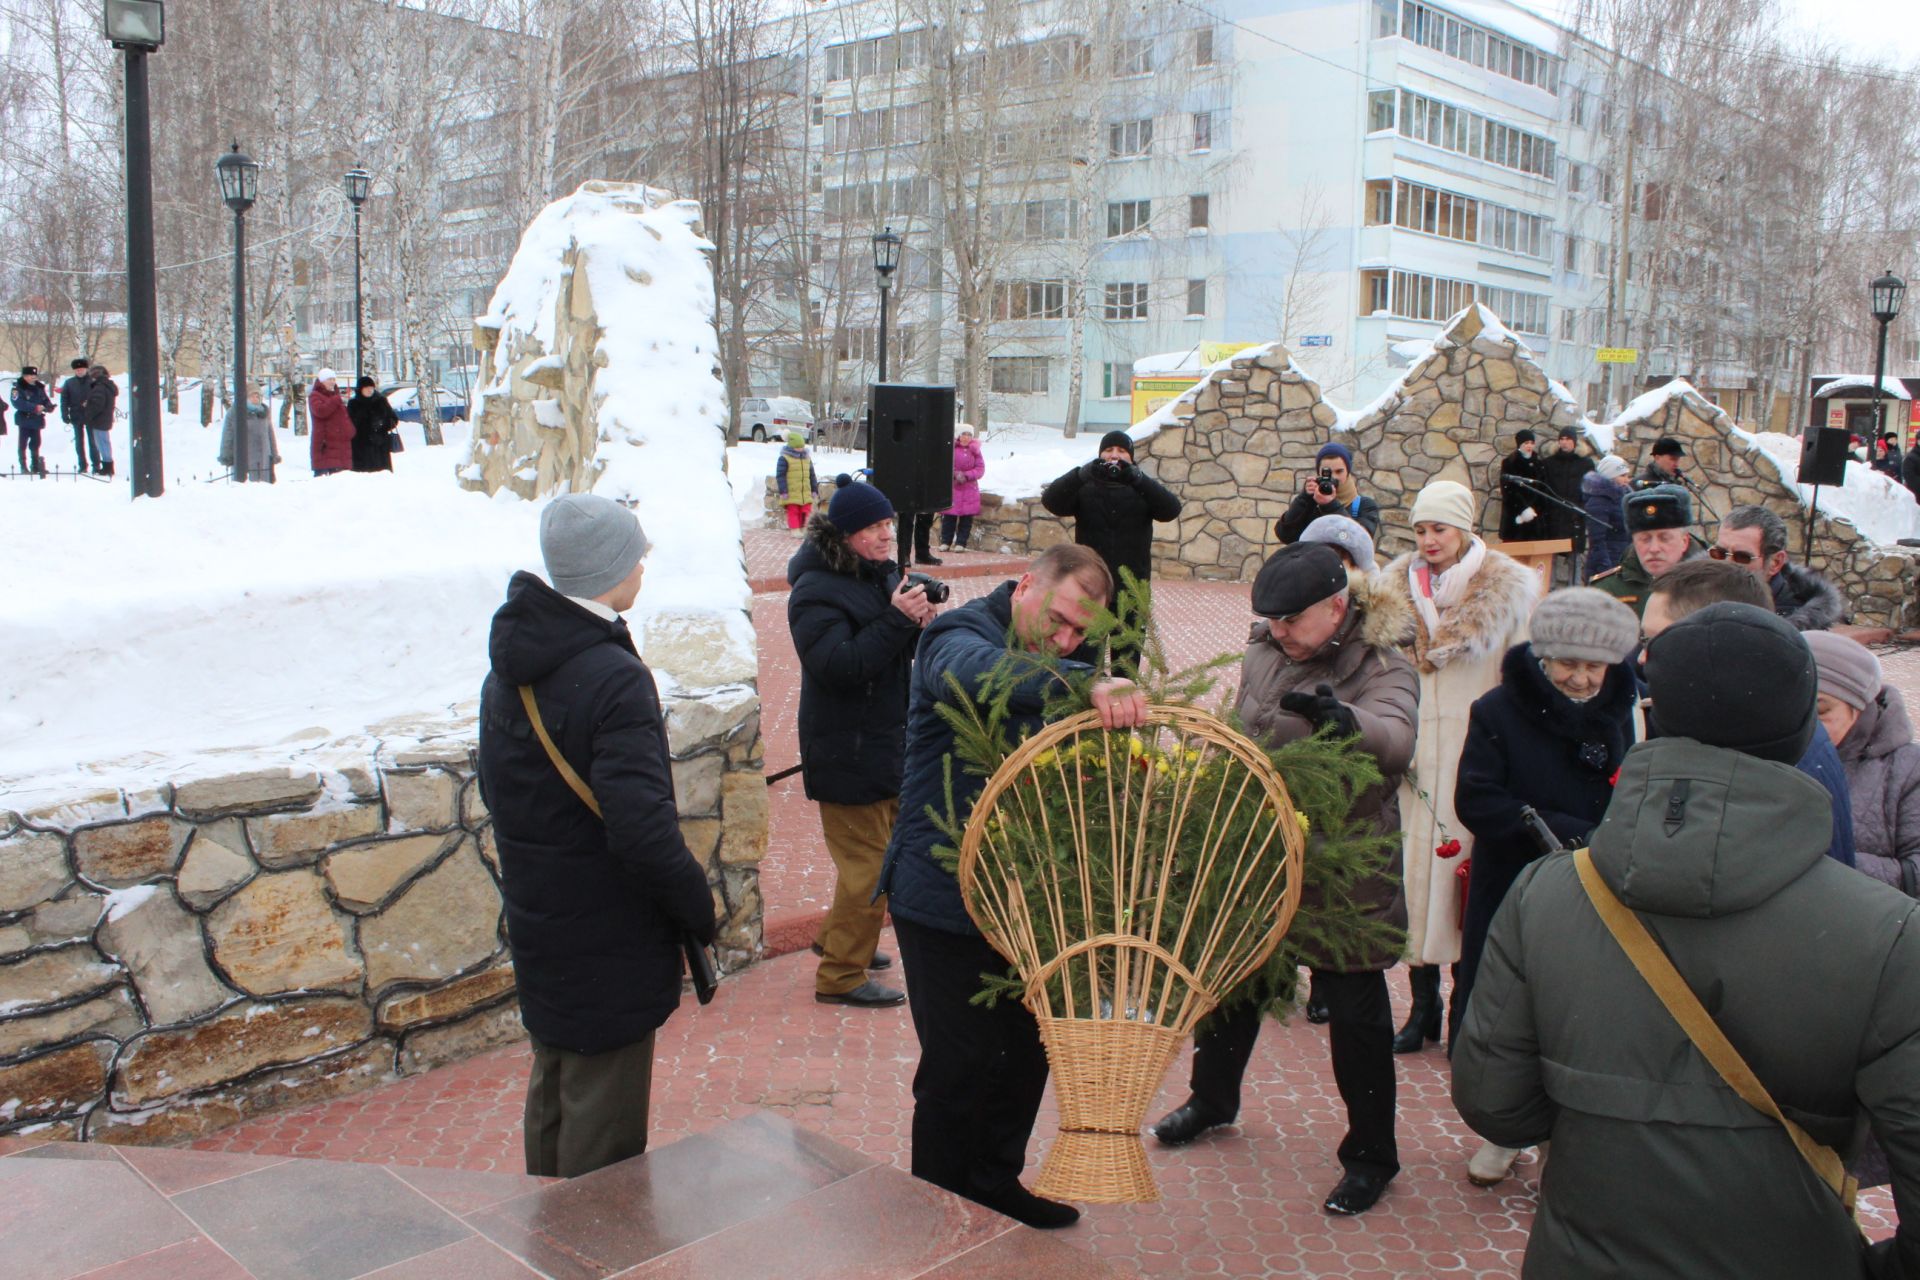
pixel 326 375
pixel 1611 467
pixel 1444 502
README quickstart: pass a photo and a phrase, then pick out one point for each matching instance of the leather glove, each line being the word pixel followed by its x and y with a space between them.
pixel 1321 708
pixel 1090 470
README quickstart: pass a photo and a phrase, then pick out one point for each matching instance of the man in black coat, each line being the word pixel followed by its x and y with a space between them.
pixel 982 1069
pixel 599 899
pixel 1113 505
pixel 854 623
pixel 1565 468
pixel 97 397
pixel 1663 464
pixel 1522 475
pixel 1756 539
pixel 71 393
pixel 1329 490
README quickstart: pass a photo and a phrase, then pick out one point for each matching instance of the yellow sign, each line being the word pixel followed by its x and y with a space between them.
pixel 1150 393
pixel 1618 355
pixel 1212 353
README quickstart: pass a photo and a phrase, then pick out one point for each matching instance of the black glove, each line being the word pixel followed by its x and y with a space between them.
pixel 1091 470
pixel 1321 708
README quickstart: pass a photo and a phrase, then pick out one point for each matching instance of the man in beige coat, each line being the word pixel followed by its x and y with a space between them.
pixel 1319 658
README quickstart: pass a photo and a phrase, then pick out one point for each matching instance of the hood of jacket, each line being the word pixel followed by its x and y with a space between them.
pixel 1595 485
pixel 1882 729
pixel 824 549
pixel 1700 832
pixel 538 629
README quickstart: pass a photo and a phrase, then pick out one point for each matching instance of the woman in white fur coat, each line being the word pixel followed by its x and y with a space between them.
pixel 1462 606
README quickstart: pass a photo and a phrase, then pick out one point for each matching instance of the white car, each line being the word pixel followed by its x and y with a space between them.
pixel 771 417
pixel 405 399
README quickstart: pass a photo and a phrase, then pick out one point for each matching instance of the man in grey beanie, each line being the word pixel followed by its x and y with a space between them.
pixel 601 890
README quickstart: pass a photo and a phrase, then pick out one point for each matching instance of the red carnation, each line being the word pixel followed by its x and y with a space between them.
pixel 1448 849
pixel 1614 780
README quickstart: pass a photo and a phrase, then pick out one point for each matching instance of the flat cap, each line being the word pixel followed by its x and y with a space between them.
pixel 1297 577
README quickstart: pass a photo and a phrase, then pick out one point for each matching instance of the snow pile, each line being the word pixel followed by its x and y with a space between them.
pixel 1859 385
pixel 1877 505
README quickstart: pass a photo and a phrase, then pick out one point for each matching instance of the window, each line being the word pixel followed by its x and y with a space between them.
pixel 1466 133
pixel 1203 131
pixel 1203 47
pixel 1380 111
pixel 1130 138
pixel 1124 217
pixel 1566 326
pixel 1126 301
pixel 1030 300
pixel 1038 220
pixel 1570 255
pixel 483 192
pixel 1910 350
pixel 1133 57
pixel 879 55
pixel 881 127
pixel 1447 34
pixel 1523 312
pixel 1377 204
pixel 1116 378
pixel 1017 375
pixel 1577 108
pixel 1199 213
pixel 1373 292
pixel 1196 297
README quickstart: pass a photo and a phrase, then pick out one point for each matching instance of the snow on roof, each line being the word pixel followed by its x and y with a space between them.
pixel 660 404
pixel 1508 20
pixel 1169 362
pixel 1863 383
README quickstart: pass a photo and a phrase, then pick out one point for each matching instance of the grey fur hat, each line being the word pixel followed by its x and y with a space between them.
pixel 1346 533
pixel 1583 624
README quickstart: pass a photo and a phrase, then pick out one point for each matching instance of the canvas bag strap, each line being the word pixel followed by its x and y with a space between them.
pixel 571 778
pixel 1654 965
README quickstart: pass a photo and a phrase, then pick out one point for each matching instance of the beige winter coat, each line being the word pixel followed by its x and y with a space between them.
pixel 1456 666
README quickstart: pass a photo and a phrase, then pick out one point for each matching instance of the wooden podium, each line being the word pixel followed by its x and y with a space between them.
pixel 1537 556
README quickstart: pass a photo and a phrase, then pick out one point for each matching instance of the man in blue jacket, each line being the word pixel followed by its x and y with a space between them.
pixel 982 1069
pixel 30 407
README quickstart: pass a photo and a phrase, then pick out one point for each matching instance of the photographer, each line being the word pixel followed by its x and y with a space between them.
pixel 1113 505
pixel 1329 492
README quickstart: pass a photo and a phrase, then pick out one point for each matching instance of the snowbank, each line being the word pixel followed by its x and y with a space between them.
pixel 1878 506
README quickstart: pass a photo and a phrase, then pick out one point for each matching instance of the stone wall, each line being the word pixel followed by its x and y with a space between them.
pixel 176 957
pixel 1239 446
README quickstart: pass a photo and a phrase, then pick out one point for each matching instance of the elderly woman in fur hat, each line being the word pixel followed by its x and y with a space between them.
pixel 1461 606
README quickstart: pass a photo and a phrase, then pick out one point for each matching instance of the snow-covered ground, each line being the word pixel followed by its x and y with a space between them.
pixel 1880 507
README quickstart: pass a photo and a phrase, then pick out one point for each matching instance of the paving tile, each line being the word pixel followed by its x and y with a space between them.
pixel 70 1151
pixel 877 1224
pixel 1024 1254
pixel 464 1191
pixel 307 1220
pixel 473 1259
pixel 173 1171
pixel 195 1259
pixel 619 1217
pixel 62 1218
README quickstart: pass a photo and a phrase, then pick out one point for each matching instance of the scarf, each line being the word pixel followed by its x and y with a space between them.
pixel 1433 592
pixel 1346 494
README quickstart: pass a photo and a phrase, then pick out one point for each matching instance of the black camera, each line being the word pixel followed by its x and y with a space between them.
pixel 937 591
pixel 1325 483
pixel 1112 470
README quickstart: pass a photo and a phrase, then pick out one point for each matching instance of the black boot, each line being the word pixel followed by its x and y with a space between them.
pixel 1423 1020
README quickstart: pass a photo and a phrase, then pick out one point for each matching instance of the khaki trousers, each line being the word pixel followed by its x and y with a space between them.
pixel 857 836
pixel 586 1110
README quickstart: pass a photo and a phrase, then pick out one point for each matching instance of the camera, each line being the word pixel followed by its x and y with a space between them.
pixel 937 591
pixel 1325 483
pixel 1113 470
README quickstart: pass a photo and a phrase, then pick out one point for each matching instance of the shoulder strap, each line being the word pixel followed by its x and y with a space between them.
pixel 572 779
pixel 1655 966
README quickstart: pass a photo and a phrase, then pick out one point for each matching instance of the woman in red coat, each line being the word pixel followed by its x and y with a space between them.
pixel 331 429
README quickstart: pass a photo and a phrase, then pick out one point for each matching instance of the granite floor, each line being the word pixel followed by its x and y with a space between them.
pixel 758 1196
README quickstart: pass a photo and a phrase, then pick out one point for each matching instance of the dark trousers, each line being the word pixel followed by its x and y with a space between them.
pixel 1360 1037
pixel 1487 888
pixel 982 1070
pixel 30 449
pixel 84 458
pixel 955 530
pixel 586 1111
pixel 912 535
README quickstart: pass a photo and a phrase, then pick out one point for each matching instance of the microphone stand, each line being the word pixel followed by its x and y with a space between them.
pixel 1537 490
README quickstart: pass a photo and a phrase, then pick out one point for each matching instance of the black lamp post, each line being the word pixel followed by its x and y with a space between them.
pixel 1887 292
pixel 139 27
pixel 359 185
pixel 886 258
pixel 239 186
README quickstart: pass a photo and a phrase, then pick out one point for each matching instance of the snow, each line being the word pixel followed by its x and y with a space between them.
pixel 1863 384
pixel 1878 506
pixel 123 902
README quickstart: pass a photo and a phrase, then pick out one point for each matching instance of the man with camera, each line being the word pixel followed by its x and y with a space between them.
pixel 1330 491
pixel 855 620
pixel 1114 505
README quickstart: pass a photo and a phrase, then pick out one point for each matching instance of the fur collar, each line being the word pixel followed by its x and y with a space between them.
pixel 823 536
pixel 1386 618
pixel 1497 605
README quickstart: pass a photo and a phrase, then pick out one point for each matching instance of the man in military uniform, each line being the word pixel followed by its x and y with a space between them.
pixel 1660 522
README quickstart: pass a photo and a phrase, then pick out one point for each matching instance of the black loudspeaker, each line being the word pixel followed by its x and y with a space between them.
pixel 1823 456
pixel 910 445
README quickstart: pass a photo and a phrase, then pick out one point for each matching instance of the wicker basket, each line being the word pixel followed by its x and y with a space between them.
pixel 1109 933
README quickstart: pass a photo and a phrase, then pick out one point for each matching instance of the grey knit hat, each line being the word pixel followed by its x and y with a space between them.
pixel 1849 670
pixel 1582 624
pixel 590 544
pixel 1345 533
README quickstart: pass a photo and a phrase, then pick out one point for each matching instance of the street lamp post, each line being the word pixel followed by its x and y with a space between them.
pixel 239 186
pixel 139 27
pixel 1887 292
pixel 359 185
pixel 886 257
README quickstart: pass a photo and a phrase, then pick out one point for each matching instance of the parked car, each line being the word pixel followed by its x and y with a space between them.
pixel 771 417
pixel 405 399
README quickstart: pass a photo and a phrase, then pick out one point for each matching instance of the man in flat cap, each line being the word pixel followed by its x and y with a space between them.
pixel 1660 522
pixel 1317 657
pixel 599 884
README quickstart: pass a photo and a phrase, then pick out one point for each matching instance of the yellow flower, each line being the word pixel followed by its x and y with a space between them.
pixel 1045 758
pixel 1135 747
pixel 1306 823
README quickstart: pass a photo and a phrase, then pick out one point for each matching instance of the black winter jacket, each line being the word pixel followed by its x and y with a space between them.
pixel 1303 511
pixel 856 658
pixel 964 644
pixel 95 403
pixel 1607 539
pixel 1804 598
pixel 1564 472
pixel 372 417
pixel 1517 472
pixel 596 910
pixel 1113 517
pixel 72 392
